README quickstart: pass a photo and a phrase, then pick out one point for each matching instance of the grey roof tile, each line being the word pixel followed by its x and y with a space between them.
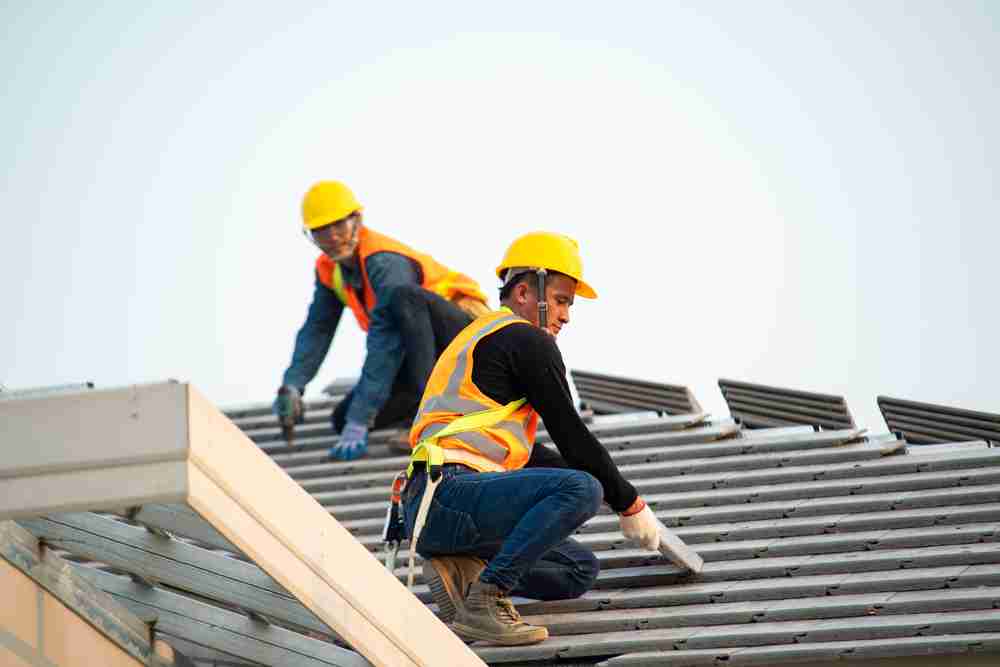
pixel 828 543
pixel 964 644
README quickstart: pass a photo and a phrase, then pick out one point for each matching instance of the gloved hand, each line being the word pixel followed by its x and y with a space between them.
pixel 353 442
pixel 288 405
pixel 640 525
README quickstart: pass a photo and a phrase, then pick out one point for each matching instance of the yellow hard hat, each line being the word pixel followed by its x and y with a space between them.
pixel 326 202
pixel 549 251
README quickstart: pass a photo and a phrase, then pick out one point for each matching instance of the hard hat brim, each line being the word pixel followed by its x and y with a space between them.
pixel 318 222
pixel 585 290
pixel 582 288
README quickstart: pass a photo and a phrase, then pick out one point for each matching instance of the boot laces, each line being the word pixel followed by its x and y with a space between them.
pixel 507 610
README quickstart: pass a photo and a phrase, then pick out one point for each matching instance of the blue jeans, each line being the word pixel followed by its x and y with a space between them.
pixel 518 521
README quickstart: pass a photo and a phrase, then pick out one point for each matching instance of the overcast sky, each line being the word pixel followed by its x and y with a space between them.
pixel 802 194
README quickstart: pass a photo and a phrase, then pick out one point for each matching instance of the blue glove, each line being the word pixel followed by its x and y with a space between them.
pixel 353 443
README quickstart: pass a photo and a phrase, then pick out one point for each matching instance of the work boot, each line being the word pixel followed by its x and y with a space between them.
pixel 489 615
pixel 449 578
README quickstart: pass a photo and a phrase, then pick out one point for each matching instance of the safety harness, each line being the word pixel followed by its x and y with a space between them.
pixel 432 457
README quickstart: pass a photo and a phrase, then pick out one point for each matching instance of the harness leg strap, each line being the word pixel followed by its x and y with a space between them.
pixel 418 524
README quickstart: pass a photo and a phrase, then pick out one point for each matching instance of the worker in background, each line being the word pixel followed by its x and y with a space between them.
pixel 410 305
pixel 504 508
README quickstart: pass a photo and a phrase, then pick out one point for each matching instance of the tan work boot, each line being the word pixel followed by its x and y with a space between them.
pixel 489 615
pixel 449 578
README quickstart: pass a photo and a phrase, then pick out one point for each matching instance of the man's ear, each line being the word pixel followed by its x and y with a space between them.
pixel 521 293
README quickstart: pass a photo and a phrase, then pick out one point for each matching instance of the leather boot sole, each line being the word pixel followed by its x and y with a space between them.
pixel 440 591
pixel 470 634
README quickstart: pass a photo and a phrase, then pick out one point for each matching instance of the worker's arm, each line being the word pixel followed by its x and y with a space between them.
pixel 314 338
pixel 386 270
pixel 521 360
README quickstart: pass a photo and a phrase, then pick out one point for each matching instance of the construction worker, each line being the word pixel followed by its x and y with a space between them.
pixel 410 305
pixel 503 508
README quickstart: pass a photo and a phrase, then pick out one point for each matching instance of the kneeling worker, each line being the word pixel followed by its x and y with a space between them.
pixel 410 306
pixel 503 510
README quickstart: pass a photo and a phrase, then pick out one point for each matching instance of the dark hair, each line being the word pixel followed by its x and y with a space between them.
pixel 529 278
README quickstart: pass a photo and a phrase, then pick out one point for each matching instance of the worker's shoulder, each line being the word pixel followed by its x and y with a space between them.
pixel 525 336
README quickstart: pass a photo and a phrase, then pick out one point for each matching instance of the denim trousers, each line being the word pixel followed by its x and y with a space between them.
pixel 427 324
pixel 519 521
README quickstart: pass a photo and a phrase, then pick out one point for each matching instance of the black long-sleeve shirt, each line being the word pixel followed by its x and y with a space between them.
pixel 522 361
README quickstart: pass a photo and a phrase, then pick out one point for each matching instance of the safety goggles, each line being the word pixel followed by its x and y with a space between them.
pixel 337 230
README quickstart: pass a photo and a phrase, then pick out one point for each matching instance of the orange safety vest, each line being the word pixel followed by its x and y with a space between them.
pixel 450 394
pixel 434 276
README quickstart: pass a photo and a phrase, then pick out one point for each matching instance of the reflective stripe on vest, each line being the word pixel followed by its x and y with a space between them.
pixel 488 452
pixel 337 284
pixel 434 456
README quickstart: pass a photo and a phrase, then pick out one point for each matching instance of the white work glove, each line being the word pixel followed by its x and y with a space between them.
pixel 641 527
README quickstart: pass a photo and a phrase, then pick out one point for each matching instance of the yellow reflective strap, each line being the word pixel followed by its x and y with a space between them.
pixel 477 420
pixel 427 450
pixel 338 284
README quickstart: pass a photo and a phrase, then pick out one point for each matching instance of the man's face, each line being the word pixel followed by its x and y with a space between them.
pixel 338 239
pixel 560 291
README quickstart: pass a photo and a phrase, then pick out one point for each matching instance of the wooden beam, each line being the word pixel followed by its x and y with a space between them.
pixel 256 506
pixel 165 443
pixel 93 450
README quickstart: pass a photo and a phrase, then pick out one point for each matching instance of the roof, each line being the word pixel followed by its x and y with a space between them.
pixel 818 545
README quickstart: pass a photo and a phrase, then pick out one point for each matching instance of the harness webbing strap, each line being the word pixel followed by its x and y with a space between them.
pixel 432 456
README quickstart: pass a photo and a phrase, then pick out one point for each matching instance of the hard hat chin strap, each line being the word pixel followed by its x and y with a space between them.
pixel 543 306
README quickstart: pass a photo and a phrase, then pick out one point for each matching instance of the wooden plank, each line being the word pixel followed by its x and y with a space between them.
pixel 257 507
pixel 96 438
pixel 114 427
pixel 108 489
pixel 93 489
pixel 103 449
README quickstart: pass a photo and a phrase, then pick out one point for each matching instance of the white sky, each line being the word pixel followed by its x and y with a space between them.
pixel 803 195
